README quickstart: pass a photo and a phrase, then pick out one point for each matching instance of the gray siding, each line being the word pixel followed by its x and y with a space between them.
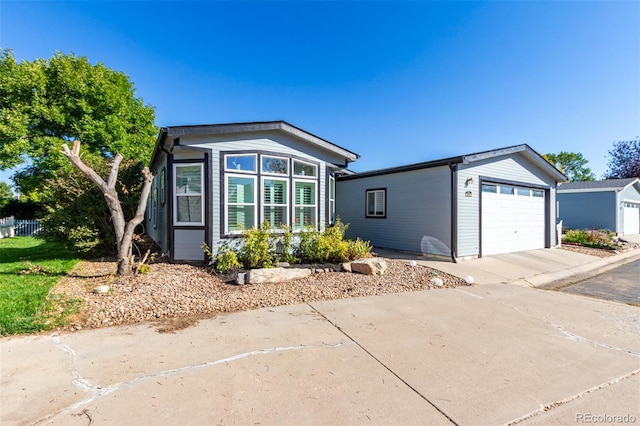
pixel 418 204
pixel 630 194
pixel 515 168
pixel 586 210
pixel 188 244
pixel 271 142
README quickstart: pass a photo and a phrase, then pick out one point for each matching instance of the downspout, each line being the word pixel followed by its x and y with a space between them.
pixel 454 211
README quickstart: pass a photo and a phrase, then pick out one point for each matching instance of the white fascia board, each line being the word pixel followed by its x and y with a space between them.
pixel 573 191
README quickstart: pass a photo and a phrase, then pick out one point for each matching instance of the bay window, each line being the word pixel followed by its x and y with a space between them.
pixel 304 204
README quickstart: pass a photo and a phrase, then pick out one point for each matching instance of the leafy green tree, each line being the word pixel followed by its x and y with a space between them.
pixel 624 160
pixel 44 103
pixel 6 193
pixel 572 164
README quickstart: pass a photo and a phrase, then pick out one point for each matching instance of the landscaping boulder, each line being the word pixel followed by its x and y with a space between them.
pixel 275 275
pixel 371 266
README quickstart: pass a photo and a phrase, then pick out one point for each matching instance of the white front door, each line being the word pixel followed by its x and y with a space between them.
pixel 631 218
pixel 513 218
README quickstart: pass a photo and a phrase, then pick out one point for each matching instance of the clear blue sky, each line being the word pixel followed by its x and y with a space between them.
pixel 395 82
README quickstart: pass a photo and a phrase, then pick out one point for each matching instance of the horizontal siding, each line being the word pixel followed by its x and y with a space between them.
pixel 265 141
pixel 418 205
pixel 274 144
pixel 629 194
pixel 586 210
pixel 514 168
pixel 188 244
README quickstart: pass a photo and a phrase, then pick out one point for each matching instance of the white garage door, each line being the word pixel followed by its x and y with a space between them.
pixel 631 218
pixel 512 218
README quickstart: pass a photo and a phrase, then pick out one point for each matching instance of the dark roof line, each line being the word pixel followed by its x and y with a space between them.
pixel 612 184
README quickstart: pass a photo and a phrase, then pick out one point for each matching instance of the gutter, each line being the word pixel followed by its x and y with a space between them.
pixel 454 211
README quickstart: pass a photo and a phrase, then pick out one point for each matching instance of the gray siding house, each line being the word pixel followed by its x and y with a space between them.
pixel 473 205
pixel 213 181
pixel 612 204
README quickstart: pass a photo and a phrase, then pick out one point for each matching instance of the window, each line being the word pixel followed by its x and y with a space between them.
pixel 538 193
pixel 274 202
pixel 163 187
pixel 188 205
pixel 506 189
pixel 304 169
pixel 304 204
pixel 240 194
pixel 376 203
pixel 489 188
pixel 275 165
pixel 241 162
pixel 154 203
pixel 524 192
pixel 271 187
pixel 332 200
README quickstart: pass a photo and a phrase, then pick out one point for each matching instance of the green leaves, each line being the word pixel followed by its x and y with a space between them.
pixel 572 164
pixel 45 103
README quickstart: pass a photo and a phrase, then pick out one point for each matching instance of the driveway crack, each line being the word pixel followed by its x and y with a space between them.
pixel 416 391
pixel 97 392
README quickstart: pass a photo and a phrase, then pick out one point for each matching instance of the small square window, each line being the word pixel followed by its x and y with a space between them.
pixel 538 193
pixel 376 203
pixel 523 192
pixel 504 189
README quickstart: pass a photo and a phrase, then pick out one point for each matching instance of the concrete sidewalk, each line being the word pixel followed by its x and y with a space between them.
pixel 534 268
pixel 490 354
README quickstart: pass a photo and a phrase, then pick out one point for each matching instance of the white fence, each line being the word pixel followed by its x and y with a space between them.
pixel 10 227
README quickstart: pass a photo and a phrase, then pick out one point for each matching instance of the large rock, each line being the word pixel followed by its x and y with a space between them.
pixel 275 275
pixel 370 266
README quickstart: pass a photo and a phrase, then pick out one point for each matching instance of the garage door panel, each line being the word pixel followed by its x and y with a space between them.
pixel 631 218
pixel 513 219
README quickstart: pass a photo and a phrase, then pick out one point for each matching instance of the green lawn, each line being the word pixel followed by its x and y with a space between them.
pixel 29 268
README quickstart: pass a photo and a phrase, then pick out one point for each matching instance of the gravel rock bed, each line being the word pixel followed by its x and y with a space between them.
pixel 623 246
pixel 179 294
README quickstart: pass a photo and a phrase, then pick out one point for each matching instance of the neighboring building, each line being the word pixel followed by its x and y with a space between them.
pixel 213 181
pixel 612 204
pixel 474 205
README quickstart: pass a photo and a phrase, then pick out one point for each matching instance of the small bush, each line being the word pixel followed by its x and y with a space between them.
pixel 257 250
pixel 358 249
pixel 596 238
pixel 286 239
pixel 226 258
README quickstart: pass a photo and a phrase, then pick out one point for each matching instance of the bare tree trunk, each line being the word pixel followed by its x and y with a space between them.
pixel 124 230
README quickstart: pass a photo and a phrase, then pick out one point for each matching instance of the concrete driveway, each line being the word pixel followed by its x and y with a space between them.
pixel 490 354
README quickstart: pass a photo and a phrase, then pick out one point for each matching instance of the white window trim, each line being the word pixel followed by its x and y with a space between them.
pixel 226 200
pixel 315 201
pixel 286 159
pixel 255 158
pixel 293 168
pixel 332 201
pixel 176 195
pixel 286 198
pixel 384 203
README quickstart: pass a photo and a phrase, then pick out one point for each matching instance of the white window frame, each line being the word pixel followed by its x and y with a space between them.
pixel 376 192
pixel 227 204
pixel 293 169
pixel 176 166
pixel 263 172
pixel 286 204
pixel 236 170
pixel 315 203
pixel 332 200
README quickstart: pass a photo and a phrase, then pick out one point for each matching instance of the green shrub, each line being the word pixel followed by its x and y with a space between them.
pixel 596 238
pixel 286 239
pixel 358 249
pixel 257 249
